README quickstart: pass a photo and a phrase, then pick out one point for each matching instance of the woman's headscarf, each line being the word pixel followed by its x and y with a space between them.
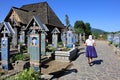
pixel 90 37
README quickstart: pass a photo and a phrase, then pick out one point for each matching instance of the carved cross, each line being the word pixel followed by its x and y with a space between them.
pixel 34 28
pixel 4 32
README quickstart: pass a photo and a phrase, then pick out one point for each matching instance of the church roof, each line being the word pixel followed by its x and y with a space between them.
pixel 42 10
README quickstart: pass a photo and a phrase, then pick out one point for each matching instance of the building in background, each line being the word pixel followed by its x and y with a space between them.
pixel 19 17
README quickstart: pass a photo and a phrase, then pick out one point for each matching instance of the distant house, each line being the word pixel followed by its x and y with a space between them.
pixel 19 17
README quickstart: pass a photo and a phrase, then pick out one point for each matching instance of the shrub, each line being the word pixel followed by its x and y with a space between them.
pixel 20 56
pixel 50 49
pixel 27 74
pixel 110 42
pixel 116 45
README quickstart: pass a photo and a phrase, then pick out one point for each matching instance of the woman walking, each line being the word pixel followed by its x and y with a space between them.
pixel 90 49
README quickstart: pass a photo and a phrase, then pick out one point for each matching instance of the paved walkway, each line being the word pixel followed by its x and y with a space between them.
pixel 106 66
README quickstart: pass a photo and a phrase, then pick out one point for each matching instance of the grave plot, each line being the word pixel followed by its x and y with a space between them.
pixel 68 51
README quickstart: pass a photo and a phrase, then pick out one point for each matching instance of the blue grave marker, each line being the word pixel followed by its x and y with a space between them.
pixel 5 46
pixel 55 37
pixel 5 53
pixel 22 35
pixel 76 37
pixel 15 38
pixel 63 38
pixel 43 40
pixel 110 37
pixel 35 42
pixel 116 39
pixel 69 39
pixel 43 44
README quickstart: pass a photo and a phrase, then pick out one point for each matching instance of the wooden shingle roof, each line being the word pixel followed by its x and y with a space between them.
pixel 42 10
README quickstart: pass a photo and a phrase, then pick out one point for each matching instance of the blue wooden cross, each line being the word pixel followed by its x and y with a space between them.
pixel 5 46
pixel 55 37
pixel 36 41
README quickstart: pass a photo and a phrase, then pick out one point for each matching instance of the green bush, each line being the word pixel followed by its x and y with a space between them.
pixel 116 45
pixel 27 74
pixel 50 49
pixel 60 44
pixel 110 42
pixel 20 56
pixel 65 49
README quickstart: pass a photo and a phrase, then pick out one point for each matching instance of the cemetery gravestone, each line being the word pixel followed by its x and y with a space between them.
pixel 22 36
pixel 43 40
pixel 110 37
pixel 55 37
pixel 69 39
pixel 36 36
pixel 15 38
pixel 63 38
pixel 116 39
pixel 76 37
pixel 5 45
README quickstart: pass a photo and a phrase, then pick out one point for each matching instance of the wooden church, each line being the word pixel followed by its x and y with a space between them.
pixel 19 18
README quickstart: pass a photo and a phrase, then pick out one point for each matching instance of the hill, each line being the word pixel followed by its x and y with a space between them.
pixel 98 31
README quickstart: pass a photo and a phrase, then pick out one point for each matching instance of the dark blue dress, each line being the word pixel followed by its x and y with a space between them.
pixel 91 52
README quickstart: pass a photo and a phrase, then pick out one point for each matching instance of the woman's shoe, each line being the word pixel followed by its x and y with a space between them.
pixel 90 64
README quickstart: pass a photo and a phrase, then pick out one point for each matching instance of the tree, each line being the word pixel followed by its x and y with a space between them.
pixel 87 29
pixel 79 25
pixel 79 28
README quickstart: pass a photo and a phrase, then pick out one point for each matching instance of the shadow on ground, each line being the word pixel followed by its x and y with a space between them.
pixel 97 62
pixel 78 54
pixel 62 72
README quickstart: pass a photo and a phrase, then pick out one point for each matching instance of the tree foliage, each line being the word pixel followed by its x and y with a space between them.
pixel 81 27
pixel 87 29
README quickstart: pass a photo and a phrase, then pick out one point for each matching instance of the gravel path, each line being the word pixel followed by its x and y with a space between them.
pixel 106 66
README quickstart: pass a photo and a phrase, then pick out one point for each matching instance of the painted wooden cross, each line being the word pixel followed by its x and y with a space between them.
pixel 15 38
pixel 70 39
pixel 5 45
pixel 63 38
pixel 110 37
pixel 43 40
pixel 55 37
pixel 22 35
pixel 36 41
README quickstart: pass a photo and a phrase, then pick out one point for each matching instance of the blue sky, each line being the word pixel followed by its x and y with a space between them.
pixel 101 14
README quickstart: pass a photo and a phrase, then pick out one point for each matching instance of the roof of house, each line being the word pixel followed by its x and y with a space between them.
pixel 42 10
